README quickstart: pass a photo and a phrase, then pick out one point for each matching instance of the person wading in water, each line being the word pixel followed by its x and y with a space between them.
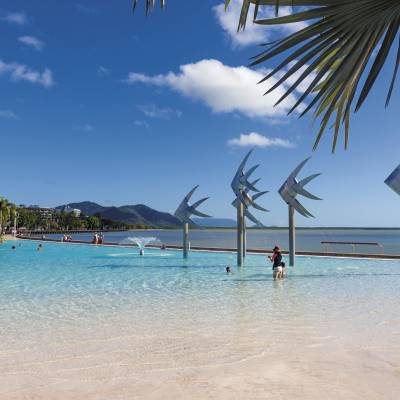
pixel 278 266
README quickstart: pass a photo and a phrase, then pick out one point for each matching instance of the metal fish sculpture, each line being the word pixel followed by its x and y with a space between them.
pixel 250 202
pixel 292 187
pixel 186 210
pixel 393 180
pixel 241 186
pixel 240 182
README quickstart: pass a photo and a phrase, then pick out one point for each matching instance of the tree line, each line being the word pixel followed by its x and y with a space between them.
pixel 32 219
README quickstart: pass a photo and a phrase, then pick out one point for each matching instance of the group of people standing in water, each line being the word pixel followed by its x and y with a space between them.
pixel 98 238
pixel 278 265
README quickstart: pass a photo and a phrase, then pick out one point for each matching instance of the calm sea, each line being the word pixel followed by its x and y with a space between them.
pixel 306 239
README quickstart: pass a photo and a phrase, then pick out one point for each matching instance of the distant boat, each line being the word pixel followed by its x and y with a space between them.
pixel 393 180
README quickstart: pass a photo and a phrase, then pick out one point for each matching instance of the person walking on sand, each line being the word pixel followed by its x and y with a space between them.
pixel 278 266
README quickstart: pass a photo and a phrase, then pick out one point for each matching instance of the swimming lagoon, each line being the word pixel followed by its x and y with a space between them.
pixel 102 322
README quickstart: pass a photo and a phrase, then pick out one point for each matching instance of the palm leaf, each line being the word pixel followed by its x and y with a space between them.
pixel 150 5
pixel 343 39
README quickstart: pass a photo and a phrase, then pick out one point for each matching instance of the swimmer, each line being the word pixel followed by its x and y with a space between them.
pixel 228 270
pixel 40 247
pixel 13 248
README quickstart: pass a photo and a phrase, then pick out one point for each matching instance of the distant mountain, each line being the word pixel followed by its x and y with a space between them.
pixel 133 214
pixel 215 222
pixel 87 207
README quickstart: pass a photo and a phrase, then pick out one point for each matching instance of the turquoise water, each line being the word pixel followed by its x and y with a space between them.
pixel 83 317
pixel 64 283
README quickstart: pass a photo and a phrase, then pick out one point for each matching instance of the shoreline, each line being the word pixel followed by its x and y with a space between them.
pixel 7 237
pixel 228 250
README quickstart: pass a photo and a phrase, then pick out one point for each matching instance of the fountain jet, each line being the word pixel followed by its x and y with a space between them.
pixel 140 242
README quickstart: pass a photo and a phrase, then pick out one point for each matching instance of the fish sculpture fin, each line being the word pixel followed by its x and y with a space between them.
pixel 252 218
pixel 197 203
pixel 190 194
pixel 296 171
pixel 300 208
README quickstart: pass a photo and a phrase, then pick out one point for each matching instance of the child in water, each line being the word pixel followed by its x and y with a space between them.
pixel 278 266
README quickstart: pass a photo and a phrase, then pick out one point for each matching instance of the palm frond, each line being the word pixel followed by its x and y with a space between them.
pixel 344 38
pixel 150 5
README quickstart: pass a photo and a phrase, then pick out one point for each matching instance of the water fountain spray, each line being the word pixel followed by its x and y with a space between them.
pixel 140 242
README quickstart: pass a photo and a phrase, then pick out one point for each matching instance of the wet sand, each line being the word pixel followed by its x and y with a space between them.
pixel 200 364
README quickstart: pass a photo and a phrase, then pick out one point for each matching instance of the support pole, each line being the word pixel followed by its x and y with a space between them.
pixel 240 212
pixel 244 237
pixel 292 237
pixel 185 240
pixel 15 225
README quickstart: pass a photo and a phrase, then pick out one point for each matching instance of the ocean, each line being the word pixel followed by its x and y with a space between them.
pixel 306 239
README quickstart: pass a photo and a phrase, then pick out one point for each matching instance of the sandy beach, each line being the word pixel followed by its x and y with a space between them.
pixel 9 237
pixel 200 365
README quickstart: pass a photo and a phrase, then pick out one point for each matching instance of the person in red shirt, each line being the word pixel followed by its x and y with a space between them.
pixel 278 266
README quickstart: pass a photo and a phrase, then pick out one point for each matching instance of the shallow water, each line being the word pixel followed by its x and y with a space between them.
pixel 81 320
pixel 306 240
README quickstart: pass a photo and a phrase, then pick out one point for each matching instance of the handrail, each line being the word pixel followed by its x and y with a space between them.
pixel 352 244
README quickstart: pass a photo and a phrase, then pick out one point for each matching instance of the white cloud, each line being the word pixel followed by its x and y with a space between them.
pixel 102 71
pixel 254 139
pixel 16 18
pixel 20 72
pixel 153 111
pixel 254 33
pixel 87 10
pixel 141 124
pixel 85 128
pixel 8 114
pixel 32 41
pixel 223 88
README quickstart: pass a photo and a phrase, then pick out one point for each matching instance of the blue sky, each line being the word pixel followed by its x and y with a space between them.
pixel 99 104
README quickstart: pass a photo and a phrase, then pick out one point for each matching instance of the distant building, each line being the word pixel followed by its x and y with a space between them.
pixel 45 212
pixel 75 211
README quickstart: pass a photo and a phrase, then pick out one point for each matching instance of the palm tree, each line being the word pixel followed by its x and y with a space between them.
pixel 14 217
pixel 341 52
pixel 4 213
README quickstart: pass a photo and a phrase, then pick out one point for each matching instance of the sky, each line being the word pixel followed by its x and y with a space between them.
pixel 100 104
